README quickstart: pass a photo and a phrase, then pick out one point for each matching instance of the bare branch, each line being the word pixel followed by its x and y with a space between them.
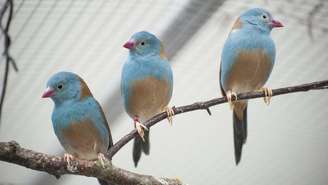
pixel 8 59
pixel 207 104
pixel 11 152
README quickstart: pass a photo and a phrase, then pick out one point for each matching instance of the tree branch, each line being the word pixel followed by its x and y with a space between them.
pixel 11 152
pixel 216 101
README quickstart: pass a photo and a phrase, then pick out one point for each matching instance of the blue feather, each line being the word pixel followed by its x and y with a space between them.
pixel 136 68
pixel 76 112
pixel 244 40
pixel 247 59
pixel 75 106
pixel 145 61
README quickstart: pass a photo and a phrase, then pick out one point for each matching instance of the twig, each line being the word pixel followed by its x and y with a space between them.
pixel 315 10
pixel 207 104
pixel 11 152
pixel 8 59
pixel 8 4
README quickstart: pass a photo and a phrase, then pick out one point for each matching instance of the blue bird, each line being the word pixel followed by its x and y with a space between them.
pixel 247 60
pixel 78 120
pixel 146 85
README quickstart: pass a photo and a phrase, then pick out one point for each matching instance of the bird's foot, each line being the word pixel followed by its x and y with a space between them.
pixel 267 94
pixel 231 95
pixel 140 128
pixel 102 159
pixel 68 158
pixel 170 113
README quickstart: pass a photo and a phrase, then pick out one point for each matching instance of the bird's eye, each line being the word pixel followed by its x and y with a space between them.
pixel 142 43
pixel 60 86
pixel 264 16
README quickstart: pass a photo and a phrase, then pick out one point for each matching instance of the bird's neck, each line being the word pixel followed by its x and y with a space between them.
pixel 255 29
pixel 142 56
pixel 62 103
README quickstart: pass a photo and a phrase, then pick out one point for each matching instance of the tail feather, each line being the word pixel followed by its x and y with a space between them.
pixel 245 124
pixel 136 151
pixel 146 144
pixel 240 133
pixel 140 146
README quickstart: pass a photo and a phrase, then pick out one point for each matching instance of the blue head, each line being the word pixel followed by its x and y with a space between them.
pixel 144 44
pixel 259 19
pixel 66 86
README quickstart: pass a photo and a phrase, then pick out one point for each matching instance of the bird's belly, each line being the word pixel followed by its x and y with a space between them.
pixel 83 140
pixel 250 72
pixel 148 97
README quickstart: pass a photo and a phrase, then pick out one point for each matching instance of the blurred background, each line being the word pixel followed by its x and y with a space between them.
pixel 287 142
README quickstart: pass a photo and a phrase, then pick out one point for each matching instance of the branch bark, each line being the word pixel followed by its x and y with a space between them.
pixel 11 152
pixel 205 105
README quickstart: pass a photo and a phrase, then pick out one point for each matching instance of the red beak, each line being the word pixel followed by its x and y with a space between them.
pixel 276 24
pixel 129 44
pixel 49 92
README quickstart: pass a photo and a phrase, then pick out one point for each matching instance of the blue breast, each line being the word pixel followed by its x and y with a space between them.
pixel 141 68
pixel 77 112
pixel 243 40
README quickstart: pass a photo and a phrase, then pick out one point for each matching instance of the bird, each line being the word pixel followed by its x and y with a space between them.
pixel 247 59
pixel 146 86
pixel 78 119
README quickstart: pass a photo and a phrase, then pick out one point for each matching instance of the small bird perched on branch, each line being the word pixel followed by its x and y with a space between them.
pixel 247 60
pixel 146 85
pixel 78 120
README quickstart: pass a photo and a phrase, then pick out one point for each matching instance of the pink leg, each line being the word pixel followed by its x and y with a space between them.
pixel 68 158
pixel 140 127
